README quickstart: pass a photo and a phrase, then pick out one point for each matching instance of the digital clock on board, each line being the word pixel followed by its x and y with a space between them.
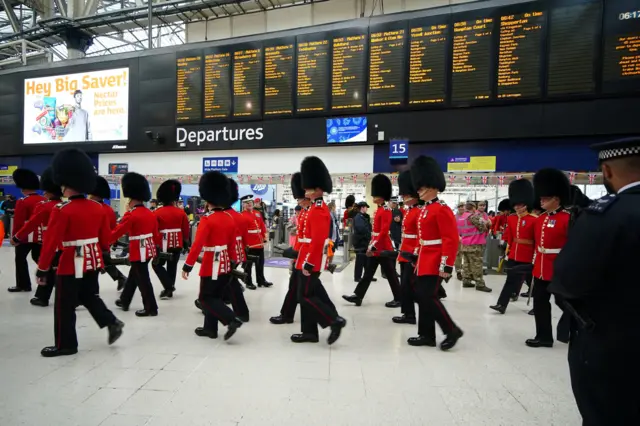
pixel 629 15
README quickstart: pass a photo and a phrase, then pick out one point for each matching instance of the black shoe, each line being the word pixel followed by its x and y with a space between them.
pixel 251 286
pixel 421 341
pixel 484 289
pixel 198 304
pixel 393 304
pixel 244 318
pixel 525 295
pixel 115 331
pixel 304 338
pixel 165 295
pixel 145 313
pixel 531 312
pixel 266 284
pixel 535 343
pixel 374 279
pixel 442 294
pixel 404 320
pixel 451 339
pixel 18 289
pixel 280 320
pixel 459 276
pixel 336 329
pixel 467 284
pixel 499 308
pixel 232 328
pixel 39 302
pixel 52 351
pixel 203 332
pixel 121 282
pixel 353 299
pixel 121 305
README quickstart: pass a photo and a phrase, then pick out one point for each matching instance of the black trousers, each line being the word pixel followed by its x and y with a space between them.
pixel 114 272
pixel 290 303
pixel 432 311
pixel 542 311
pixel 23 280
pixel 235 294
pixel 513 283
pixel 167 269
pixel 372 265
pixel 407 287
pixel 259 265
pixel 43 292
pixel 361 261
pixel 70 292
pixel 210 298
pixel 315 306
pixel 139 278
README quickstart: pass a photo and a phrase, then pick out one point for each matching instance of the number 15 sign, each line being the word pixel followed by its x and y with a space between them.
pixel 398 149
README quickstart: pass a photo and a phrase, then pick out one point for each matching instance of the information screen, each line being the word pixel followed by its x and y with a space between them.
pixel 573 43
pixel 217 85
pixel 278 79
pixel 621 69
pixel 428 63
pixel 247 66
pixel 386 68
pixel 520 55
pixel 313 76
pixel 348 73
pixel 471 68
pixel 189 88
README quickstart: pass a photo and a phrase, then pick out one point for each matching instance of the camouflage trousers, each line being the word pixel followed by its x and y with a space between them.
pixel 458 264
pixel 472 264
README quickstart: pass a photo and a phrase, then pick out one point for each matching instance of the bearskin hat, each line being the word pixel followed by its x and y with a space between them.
pixel 349 201
pixel 552 183
pixel 405 184
pixel 26 179
pixel 381 187
pixel 48 185
pixel 521 192
pixel 102 189
pixel 315 175
pixel 578 199
pixel 169 191
pixel 425 172
pixel 136 187
pixel 73 168
pixel 234 193
pixel 504 205
pixel 296 186
pixel 215 189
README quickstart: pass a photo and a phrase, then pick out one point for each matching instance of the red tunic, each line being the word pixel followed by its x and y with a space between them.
pixel 410 241
pixel 242 235
pixel 255 228
pixel 499 222
pixel 314 245
pixel 25 208
pixel 519 235
pixel 78 224
pixel 380 239
pixel 111 215
pixel 302 228
pixel 551 232
pixel 173 226
pixel 38 222
pixel 438 234
pixel 216 234
pixel 141 225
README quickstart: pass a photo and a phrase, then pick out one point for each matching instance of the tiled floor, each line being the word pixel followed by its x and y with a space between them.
pixel 160 373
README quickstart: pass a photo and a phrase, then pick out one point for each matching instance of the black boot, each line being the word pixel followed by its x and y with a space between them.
pixel 251 286
pixel 353 299
pixel 121 282
pixel 18 290
pixel 304 338
pixel 121 305
pixel 421 341
pixel 536 343
pixel 265 284
pixel 451 339
pixel 39 302
pixel 404 320
pixel 115 331
pixel 203 332
pixel 52 351
pixel 164 295
pixel 499 308
pixel 336 329
pixel 232 328
pixel 145 313
pixel 280 319
pixel 393 304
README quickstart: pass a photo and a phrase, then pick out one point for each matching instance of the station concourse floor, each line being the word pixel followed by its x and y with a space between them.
pixel 161 373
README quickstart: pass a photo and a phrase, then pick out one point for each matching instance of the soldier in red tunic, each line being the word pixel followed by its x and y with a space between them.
pixel 520 241
pixel 255 245
pixel 216 237
pixel 381 190
pixel 101 192
pixel 81 228
pixel 550 235
pixel 28 183
pixel 438 239
pixel 174 229
pixel 37 225
pixel 315 306
pixel 142 226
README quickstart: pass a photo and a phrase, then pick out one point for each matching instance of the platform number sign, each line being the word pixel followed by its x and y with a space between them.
pixel 398 149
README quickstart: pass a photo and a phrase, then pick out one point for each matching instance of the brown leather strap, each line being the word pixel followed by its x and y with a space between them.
pixel 525 242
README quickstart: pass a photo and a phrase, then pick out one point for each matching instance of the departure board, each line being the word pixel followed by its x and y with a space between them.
pixel 217 85
pixel 278 79
pixel 471 67
pixel 573 43
pixel 247 67
pixel 520 54
pixel 189 88
pixel 348 73
pixel 386 68
pixel 428 64
pixel 621 68
pixel 313 73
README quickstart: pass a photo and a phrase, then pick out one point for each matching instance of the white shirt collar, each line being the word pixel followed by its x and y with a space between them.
pixel 631 185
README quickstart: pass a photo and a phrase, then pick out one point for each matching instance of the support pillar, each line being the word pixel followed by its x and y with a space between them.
pixel 78 42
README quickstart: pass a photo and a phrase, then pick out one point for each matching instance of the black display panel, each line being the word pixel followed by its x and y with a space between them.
pixel 217 85
pixel 278 78
pixel 520 54
pixel 348 72
pixel 621 68
pixel 386 66
pixel 313 56
pixel 573 47
pixel 472 55
pixel 189 87
pixel 428 58
pixel 247 70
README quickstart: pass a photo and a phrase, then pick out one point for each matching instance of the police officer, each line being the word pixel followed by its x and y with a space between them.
pixel 596 273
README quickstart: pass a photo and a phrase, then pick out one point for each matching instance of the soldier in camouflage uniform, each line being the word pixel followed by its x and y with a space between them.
pixel 474 238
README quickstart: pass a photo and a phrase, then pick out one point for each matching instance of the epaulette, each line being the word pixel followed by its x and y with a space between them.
pixel 62 204
pixel 318 203
pixel 97 202
pixel 207 214
pixel 513 214
pixel 602 204
pixel 442 202
pixel 387 208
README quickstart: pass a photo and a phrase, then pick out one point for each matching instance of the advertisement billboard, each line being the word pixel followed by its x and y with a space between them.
pixel 84 107
pixel 346 129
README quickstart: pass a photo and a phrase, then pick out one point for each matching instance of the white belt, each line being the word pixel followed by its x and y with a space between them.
pixel 239 238
pixel 304 240
pixel 78 260
pixel 216 250
pixel 143 244
pixel 80 243
pixel 170 231
pixel 254 231
pixel 409 236
pixel 375 234
pixel 430 242
pixel 548 250
pixel 140 237
pixel 44 228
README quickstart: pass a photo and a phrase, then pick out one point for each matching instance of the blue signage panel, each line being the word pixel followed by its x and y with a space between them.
pixel 259 189
pixel 398 149
pixel 346 129
pixel 220 164
pixel 459 160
